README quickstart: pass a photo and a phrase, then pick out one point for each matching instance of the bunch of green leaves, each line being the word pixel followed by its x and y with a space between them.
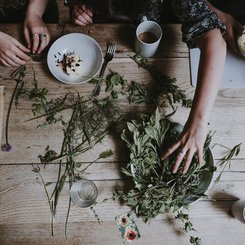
pixel 163 92
pixel 157 188
pixel 170 91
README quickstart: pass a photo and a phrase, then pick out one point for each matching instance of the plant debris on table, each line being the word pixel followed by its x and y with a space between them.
pixel 85 121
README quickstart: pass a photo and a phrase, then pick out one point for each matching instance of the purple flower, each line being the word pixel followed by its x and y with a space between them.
pixel 6 147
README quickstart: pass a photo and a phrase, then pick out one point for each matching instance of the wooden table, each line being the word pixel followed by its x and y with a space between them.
pixel 24 211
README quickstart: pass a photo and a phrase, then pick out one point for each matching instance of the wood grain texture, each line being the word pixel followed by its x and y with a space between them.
pixel 24 211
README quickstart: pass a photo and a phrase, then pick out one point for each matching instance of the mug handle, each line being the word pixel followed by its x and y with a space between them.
pixel 143 18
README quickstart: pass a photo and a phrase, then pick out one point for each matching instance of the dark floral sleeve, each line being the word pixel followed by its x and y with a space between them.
pixel 196 19
pixel 153 10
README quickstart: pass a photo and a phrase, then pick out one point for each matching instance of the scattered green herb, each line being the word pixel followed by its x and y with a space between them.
pixel 17 75
pixel 88 120
pixel 157 189
pixel 171 93
pixel 226 160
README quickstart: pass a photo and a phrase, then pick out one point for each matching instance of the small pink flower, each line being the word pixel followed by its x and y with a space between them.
pixel 124 220
pixel 131 235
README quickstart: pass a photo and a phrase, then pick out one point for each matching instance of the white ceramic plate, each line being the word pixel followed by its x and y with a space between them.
pixel 82 45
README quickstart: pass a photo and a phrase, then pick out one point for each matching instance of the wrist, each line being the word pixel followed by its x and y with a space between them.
pixel 33 14
pixel 197 120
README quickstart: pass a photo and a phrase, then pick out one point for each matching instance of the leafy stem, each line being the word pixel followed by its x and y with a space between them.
pixel 17 75
pixel 226 159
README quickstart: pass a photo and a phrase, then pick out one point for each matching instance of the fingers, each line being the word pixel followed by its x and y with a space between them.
pixel 170 150
pixel 230 38
pixel 43 41
pixel 22 48
pixel 234 29
pixel 12 61
pixel 14 56
pixel 180 156
pixel 37 38
pixel 183 155
pixel 40 41
pixel 82 15
pixel 79 22
pixel 187 161
pixel 20 53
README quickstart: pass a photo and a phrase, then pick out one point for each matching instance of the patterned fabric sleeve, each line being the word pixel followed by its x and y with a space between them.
pixel 153 10
pixel 196 19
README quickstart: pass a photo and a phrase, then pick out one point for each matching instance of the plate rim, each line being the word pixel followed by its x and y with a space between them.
pixel 71 34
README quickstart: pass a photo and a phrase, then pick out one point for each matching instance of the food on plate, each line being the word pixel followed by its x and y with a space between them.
pixel 241 44
pixel 70 64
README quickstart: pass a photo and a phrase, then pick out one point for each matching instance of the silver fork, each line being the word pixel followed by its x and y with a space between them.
pixel 110 52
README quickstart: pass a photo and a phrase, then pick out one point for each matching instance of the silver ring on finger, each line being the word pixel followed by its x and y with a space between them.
pixel 42 35
pixel 181 151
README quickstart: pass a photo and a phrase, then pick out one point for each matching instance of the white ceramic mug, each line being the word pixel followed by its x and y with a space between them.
pixel 238 210
pixel 147 48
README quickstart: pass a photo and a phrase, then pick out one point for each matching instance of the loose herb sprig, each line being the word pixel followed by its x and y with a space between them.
pixel 172 94
pixel 226 159
pixel 20 91
pixel 17 75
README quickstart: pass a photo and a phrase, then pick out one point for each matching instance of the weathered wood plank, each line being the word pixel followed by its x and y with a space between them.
pixel 123 35
pixel 178 68
pixel 26 149
pixel 23 200
pixel 157 232
pixel 24 211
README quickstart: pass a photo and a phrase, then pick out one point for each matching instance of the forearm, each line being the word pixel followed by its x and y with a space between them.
pixel 36 7
pixel 212 59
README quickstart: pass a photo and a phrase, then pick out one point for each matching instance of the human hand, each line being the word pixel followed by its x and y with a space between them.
pixel 81 14
pixel 12 52
pixel 191 141
pixel 36 33
pixel 233 30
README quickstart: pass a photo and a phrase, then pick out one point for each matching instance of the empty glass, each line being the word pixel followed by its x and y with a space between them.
pixel 83 193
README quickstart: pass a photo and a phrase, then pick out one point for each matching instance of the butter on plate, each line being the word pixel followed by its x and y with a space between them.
pixel 71 64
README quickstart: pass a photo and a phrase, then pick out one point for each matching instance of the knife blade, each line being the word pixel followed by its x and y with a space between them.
pixel 1 111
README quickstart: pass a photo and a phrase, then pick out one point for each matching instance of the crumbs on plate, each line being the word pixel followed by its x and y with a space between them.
pixel 70 63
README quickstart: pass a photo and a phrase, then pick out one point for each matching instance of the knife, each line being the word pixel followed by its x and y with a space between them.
pixel 1 111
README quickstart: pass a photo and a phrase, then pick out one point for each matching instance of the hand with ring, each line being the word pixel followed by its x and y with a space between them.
pixel 12 52
pixel 191 141
pixel 36 33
